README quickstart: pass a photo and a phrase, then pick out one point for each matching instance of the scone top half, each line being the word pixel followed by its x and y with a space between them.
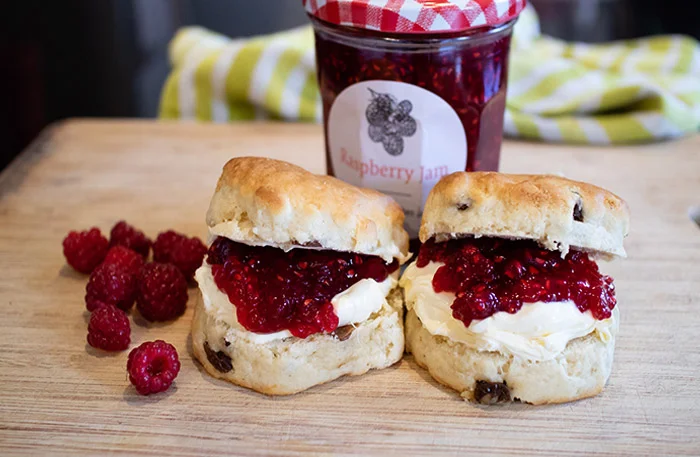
pixel 265 202
pixel 506 300
pixel 558 213
pixel 295 254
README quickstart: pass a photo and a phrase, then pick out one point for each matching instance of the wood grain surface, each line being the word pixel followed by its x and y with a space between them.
pixel 59 396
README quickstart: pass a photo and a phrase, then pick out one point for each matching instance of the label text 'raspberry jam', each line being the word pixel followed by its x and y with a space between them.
pixel 489 275
pixel 274 290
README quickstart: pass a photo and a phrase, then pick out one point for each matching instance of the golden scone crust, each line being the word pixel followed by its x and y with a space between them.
pixel 580 371
pixel 262 201
pixel 291 365
pixel 556 212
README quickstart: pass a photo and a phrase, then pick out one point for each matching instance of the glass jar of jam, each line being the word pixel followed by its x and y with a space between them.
pixel 412 90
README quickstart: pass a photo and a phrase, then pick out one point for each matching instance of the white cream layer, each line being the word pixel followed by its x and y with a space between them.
pixel 539 331
pixel 352 306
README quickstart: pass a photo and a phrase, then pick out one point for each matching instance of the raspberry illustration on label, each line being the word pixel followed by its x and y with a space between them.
pixel 389 121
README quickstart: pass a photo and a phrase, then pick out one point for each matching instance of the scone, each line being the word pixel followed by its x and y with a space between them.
pixel 299 286
pixel 505 300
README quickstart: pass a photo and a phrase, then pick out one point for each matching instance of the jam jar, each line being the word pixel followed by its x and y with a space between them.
pixel 412 90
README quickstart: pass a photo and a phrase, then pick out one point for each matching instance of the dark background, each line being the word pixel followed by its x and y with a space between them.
pixel 108 58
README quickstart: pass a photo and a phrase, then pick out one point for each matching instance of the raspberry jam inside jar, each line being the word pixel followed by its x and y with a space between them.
pixel 489 275
pixel 274 290
pixel 412 92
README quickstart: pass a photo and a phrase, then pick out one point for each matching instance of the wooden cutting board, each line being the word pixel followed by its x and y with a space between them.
pixel 59 396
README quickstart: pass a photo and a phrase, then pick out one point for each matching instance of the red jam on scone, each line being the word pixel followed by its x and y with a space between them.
pixel 274 290
pixel 489 275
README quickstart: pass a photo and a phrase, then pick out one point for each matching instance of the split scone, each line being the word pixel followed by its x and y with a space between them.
pixel 299 286
pixel 505 301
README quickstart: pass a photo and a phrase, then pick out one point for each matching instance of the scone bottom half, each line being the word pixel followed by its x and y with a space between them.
pixel 292 365
pixel 299 286
pixel 505 300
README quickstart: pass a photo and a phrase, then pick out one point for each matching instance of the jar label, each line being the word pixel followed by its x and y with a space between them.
pixel 397 138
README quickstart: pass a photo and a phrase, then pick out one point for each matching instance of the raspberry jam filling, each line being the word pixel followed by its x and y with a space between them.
pixel 274 290
pixel 468 71
pixel 489 275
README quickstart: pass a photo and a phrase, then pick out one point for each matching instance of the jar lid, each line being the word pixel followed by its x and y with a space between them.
pixel 415 16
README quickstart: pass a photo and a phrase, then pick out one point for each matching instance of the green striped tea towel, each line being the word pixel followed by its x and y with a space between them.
pixel 219 79
pixel 616 93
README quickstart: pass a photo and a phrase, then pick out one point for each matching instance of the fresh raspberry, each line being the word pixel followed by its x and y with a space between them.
pixel 112 285
pixel 109 329
pixel 162 292
pixel 183 252
pixel 152 367
pixel 124 258
pixel 85 250
pixel 123 234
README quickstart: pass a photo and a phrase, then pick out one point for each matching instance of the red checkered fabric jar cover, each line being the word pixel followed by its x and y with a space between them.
pixel 415 16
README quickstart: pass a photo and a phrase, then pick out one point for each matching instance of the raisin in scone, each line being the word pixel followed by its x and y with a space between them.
pixel 505 300
pixel 299 286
